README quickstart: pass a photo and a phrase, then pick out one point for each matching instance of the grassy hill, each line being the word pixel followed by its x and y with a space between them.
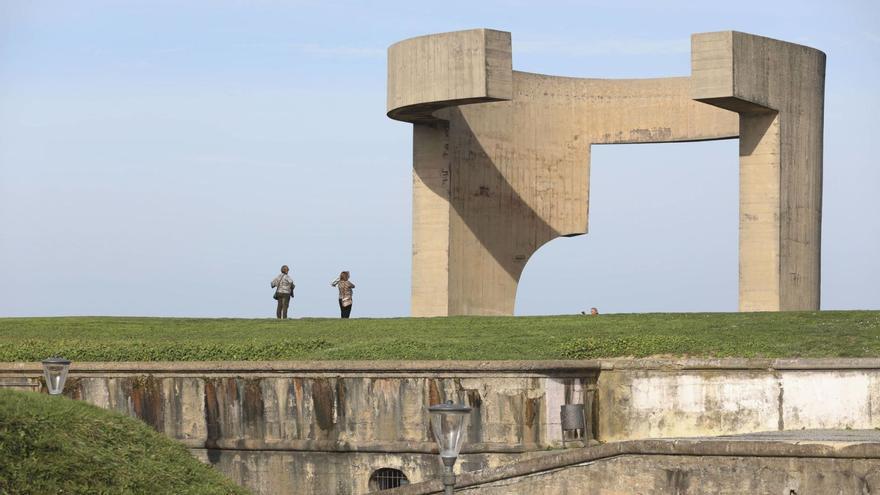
pixel 807 334
pixel 56 445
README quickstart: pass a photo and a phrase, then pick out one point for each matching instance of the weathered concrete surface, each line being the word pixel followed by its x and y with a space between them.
pixel 436 71
pixel 277 427
pixel 842 463
pixel 271 425
pixel 501 159
pixel 778 89
pixel 322 473
pixel 642 403
pixel 511 413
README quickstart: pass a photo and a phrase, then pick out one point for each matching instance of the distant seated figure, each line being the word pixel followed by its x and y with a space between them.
pixel 594 311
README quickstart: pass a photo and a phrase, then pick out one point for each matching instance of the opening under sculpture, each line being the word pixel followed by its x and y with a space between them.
pixel 501 159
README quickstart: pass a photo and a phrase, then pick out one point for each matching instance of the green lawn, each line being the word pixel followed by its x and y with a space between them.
pixel 51 445
pixel 822 334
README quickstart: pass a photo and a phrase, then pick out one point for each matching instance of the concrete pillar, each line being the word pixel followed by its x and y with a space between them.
pixel 431 212
pixel 778 89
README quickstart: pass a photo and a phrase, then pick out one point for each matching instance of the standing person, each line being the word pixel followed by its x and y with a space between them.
pixel 345 286
pixel 284 286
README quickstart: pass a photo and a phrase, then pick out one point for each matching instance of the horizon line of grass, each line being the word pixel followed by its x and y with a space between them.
pixel 715 335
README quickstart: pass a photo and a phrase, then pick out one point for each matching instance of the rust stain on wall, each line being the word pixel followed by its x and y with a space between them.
pixel 322 399
pixel 474 398
pixel 531 428
pixel 533 408
pixel 212 417
pixel 433 393
pixel 568 387
pixel 677 480
pixel 340 400
pixel 146 401
pixel 252 407
pixel 475 430
pixel 231 389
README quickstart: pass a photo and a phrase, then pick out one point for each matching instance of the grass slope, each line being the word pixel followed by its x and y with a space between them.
pixel 56 445
pixel 822 334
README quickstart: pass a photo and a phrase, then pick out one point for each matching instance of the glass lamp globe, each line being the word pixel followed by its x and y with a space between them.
pixel 55 373
pixel 448 421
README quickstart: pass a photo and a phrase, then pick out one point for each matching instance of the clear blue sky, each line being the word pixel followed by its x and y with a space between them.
pixel 165 158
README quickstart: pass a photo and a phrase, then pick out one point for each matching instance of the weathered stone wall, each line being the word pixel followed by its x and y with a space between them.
pixel 666 467
pixel 681 475
pixel 385 413
pixel 277 427
pixel 641 400
pixel 322 472
pixel 301 427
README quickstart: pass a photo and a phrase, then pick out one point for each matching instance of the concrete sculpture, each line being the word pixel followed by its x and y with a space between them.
pixel 501 158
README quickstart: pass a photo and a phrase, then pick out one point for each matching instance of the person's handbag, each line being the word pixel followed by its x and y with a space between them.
pixel 277 294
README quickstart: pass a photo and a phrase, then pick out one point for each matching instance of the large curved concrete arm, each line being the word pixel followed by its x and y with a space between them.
pixel 449 69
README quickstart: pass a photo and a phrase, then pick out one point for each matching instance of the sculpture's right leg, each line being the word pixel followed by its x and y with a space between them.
pixel 778 89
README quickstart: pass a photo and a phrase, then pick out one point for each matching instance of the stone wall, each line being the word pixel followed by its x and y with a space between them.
pixel 283 427
pixel 683 475
pixel 654 399
pixel 304 427
pixel 799 465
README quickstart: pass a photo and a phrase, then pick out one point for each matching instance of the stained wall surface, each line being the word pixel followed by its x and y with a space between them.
pixel 324 428
pixel 692 475
pixel 639 403
pixel 501 159
pixel 282 426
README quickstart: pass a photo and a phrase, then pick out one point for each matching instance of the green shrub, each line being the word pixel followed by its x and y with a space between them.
pixel 53 445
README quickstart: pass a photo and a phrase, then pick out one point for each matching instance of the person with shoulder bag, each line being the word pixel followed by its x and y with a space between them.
pixel 345 293
pixel 284 286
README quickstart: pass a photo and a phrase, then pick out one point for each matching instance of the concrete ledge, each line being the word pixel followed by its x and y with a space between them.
pixel 741 364
pixel 702 447
pixel 456 367
pixel 383 367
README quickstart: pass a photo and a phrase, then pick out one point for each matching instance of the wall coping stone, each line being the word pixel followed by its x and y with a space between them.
pixel 454 367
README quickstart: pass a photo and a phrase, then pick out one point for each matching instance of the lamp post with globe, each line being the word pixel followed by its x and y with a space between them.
pixel 448 422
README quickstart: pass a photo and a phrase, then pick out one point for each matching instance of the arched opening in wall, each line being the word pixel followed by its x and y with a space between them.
pixel 663 235
pixel 387 478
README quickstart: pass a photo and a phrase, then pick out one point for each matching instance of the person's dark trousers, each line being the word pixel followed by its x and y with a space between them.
pixel 345 310
pixel 283 304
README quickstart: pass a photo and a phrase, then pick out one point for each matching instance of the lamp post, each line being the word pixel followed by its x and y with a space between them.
pixel 448 421
pixel 55 372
